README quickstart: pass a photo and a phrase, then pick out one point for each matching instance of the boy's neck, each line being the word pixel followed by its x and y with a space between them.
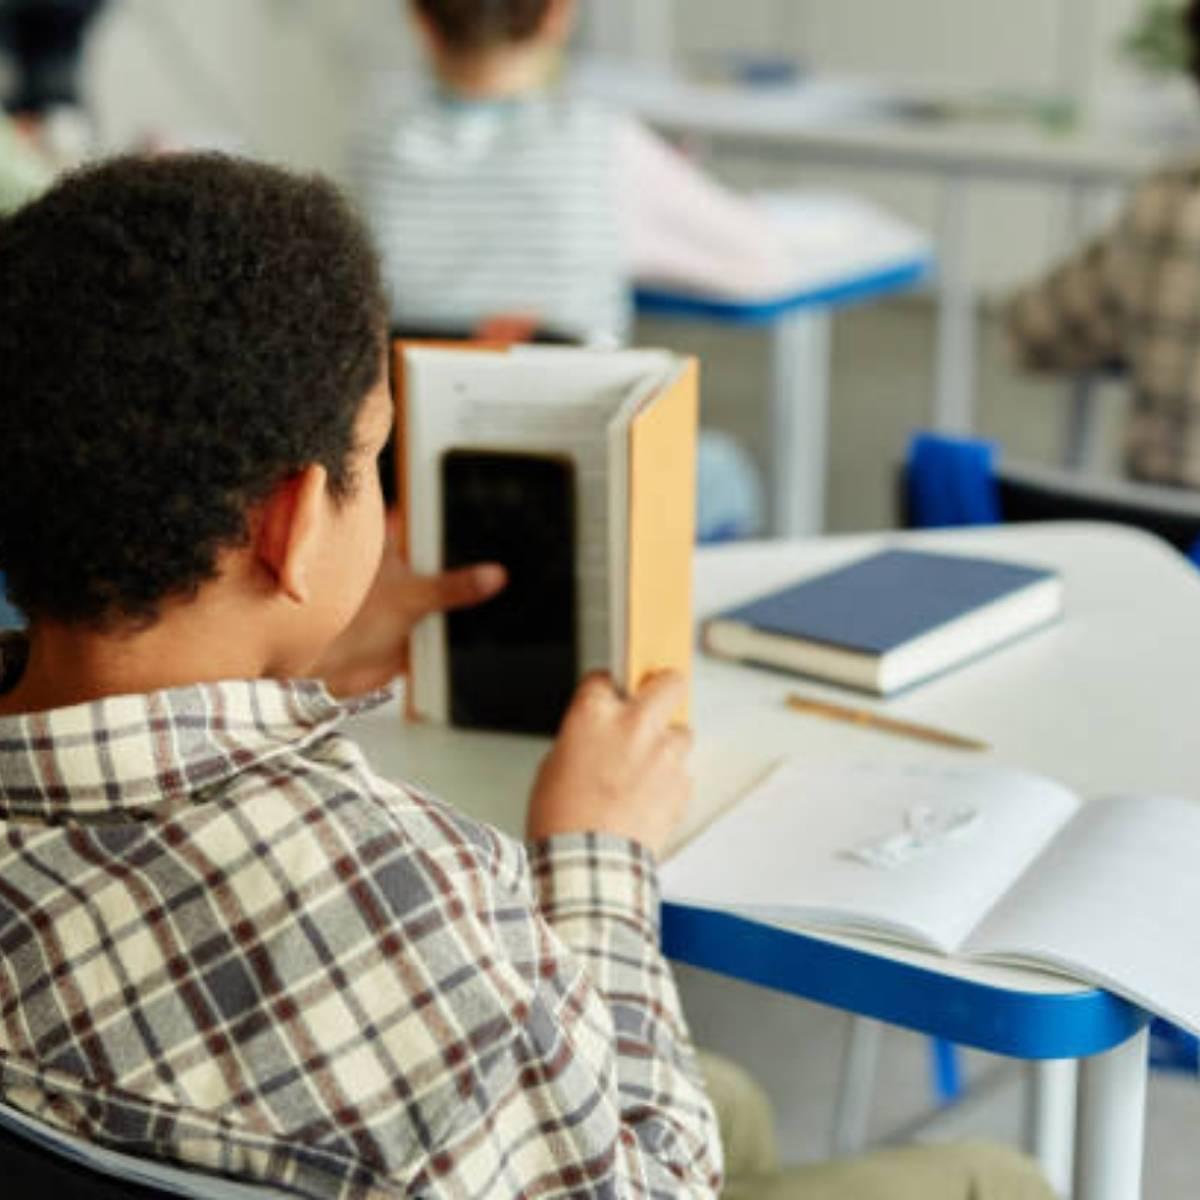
pixel 69 665
pixel 502 74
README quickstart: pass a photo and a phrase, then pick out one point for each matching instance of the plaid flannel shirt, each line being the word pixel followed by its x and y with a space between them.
pixel 1132 297
pixel 224 942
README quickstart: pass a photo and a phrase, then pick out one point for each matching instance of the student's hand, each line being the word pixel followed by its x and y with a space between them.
pixel 373 649
pixel 617 767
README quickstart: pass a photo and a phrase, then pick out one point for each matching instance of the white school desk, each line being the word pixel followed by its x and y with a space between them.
pixel 880 256
pixel 1109 699
pixel 795 123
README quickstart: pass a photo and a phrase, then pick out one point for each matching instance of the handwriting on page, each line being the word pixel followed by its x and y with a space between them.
pixel 925 828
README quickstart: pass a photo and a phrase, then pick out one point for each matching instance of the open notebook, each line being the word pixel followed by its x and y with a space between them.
pixel 973 862
pixel 625 424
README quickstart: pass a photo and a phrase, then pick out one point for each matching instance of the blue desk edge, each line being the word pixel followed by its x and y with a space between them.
pixel 1019 1024
pixel 662 302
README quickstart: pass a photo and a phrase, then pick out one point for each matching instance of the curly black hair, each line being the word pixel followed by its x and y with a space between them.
pixel 471 25
pixel 177 336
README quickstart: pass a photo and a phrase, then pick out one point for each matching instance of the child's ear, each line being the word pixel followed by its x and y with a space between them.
pixel 289 532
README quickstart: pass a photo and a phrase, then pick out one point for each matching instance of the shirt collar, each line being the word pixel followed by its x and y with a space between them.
pixel 124 754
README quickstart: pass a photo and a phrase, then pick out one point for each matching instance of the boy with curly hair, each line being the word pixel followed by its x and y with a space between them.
pixel 224 942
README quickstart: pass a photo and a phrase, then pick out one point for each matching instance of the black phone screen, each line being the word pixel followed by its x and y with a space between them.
pixel 513 661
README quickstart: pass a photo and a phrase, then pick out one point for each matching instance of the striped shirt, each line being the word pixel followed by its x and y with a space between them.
pixel 1131 298
pixel 496 208
pixel 225 943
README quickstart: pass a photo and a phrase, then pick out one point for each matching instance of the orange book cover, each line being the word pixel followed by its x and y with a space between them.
pixel 662 530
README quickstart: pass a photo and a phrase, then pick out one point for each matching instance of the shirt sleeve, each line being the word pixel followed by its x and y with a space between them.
pixel 684 228
pixel 1074 319
pixel 599 894
pixel 563 1044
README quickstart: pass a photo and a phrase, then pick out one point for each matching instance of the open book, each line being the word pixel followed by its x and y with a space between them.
pixel 821 243
pixel 976 862
pixel 605 439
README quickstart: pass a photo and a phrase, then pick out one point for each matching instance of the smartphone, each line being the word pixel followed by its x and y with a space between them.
pixel 513 660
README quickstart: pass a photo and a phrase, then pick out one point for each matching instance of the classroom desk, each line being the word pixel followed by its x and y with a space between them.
pixel 798 323
pixel 783 123
pixel 1106 700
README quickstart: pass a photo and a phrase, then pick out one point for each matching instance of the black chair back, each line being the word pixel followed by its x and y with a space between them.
pixel 1037 494
pixel 29 1169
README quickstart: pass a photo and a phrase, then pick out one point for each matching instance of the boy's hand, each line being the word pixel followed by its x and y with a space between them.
pixel 617 767
pixel 373 649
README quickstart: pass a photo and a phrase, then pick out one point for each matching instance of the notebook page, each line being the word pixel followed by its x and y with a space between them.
pixel 557 402
pixel 781 853
pixel 1115 901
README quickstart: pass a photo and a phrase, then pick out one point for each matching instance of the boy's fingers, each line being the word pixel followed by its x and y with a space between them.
pixel 659 697
pixel 457 589
pixel 596 688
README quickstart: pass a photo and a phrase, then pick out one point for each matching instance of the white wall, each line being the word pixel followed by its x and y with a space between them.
pixel 280 78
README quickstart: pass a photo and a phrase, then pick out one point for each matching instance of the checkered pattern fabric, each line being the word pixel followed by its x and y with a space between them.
pixel 1133 297
pixel 226 943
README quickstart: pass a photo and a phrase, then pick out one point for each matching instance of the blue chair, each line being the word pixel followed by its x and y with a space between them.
pixel 951 481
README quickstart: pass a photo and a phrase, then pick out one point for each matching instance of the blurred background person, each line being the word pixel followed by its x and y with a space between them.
pixel 1129 301
pixel 42 48
pixel 498 191
pixel 24 170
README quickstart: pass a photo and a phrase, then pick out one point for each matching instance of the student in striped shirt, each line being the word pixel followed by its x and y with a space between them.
pixel 495 191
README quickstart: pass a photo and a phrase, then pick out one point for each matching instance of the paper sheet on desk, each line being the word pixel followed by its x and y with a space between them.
pixel 830 240
pixel 835 236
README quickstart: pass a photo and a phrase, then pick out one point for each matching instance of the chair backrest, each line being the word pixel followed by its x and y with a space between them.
pixel 1032 493
pixel 38 1160
pixel 943 477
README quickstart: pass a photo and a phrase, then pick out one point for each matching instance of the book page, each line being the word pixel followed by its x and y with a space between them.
pixel 834 236
pixel 787 851
pixel 551 401
pixel 1115 901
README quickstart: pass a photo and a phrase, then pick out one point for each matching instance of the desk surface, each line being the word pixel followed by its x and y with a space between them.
pixel 1107 700
pixel 871 133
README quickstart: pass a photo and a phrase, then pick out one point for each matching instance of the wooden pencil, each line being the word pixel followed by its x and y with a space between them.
pixel 874 720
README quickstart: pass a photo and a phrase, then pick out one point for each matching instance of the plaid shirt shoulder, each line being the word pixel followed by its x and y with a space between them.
pixel 1131 297
pixel 224 941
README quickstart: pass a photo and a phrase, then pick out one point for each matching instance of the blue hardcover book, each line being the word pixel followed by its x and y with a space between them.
pixel 886 622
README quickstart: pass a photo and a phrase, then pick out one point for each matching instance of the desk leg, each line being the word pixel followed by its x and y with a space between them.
pixel 1050 1119
pixel 954 395
pixel 856 1090
pixel 1111 1122
pixel 799 423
